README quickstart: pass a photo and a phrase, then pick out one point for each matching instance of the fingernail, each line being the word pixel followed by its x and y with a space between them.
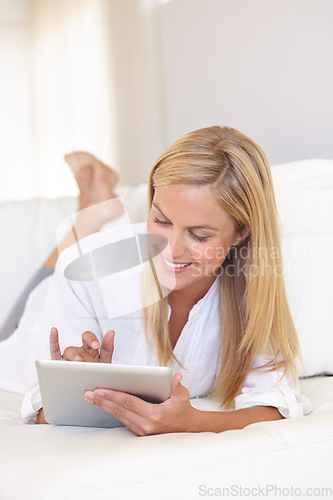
pixel 95 345
pixel 77 358
pixel 99 392
pixel 89 396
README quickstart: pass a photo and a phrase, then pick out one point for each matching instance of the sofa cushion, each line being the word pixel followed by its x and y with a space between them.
pixel 58 462
pixel 28 236
pixel 304 193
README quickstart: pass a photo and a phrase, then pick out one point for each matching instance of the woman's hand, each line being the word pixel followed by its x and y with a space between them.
pixel 91 350
pixel 173 415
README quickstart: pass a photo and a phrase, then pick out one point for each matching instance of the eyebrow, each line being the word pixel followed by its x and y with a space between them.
pixel 201 226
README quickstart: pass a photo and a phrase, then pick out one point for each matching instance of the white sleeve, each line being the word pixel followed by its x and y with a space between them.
pixel 68 307
pixel 28 343
pixel 30 407
pixel 262 388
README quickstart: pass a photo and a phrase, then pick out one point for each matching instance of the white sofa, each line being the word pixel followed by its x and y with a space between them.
pixel 284 458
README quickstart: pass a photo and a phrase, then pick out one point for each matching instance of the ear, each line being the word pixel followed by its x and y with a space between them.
pixel 245 232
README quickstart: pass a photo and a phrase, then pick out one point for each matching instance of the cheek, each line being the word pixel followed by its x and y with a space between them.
pixel 151 226
pixel 210 253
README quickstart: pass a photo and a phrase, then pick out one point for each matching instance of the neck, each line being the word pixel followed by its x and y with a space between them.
pixel 187 297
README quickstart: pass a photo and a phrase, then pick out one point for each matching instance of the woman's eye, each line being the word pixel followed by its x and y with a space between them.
pixel 158 221
pixel 194 236
pixel 199 238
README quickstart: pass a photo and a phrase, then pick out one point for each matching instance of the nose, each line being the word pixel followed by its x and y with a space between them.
pixel 177 245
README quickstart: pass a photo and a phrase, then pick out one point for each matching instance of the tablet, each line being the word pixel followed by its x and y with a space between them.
pixel 63 383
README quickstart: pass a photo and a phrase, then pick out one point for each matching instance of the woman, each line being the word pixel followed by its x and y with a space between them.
pixel 225 326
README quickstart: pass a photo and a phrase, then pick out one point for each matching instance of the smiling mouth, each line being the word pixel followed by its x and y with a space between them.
pixel 172 265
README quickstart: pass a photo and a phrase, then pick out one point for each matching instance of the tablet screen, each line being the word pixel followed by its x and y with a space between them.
pixel 63 383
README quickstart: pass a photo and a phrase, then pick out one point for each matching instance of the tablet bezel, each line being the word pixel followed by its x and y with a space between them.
pixel 62 385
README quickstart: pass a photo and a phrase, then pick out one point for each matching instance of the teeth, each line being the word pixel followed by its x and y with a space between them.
pixel 174 266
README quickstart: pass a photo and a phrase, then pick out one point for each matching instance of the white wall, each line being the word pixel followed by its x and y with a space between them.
pixel 135 56
pixel 71 89
pixel 262 66
pixel 77 75
pixel 125 78
pixel 16 156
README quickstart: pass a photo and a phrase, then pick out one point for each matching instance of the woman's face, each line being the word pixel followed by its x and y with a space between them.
pixel 199 233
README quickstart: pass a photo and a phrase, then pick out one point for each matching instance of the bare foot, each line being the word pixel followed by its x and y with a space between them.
pixel 96 182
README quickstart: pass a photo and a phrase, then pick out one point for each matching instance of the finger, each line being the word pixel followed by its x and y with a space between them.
pixel 54 344
pixel 90 341
pixel 128 402
pixel 107 347
pixel 78 354
pixel 133 421
pixel 178 391
pixel 176 379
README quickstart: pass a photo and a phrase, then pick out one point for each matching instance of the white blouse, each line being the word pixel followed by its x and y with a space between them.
pixel 77 306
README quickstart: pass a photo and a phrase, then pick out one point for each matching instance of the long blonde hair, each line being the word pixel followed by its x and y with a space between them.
pixel 255 316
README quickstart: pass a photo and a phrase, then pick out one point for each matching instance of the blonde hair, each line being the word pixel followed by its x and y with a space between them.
pixel 255 316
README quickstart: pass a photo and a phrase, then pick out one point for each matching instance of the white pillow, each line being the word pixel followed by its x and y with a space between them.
pixel 304 193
